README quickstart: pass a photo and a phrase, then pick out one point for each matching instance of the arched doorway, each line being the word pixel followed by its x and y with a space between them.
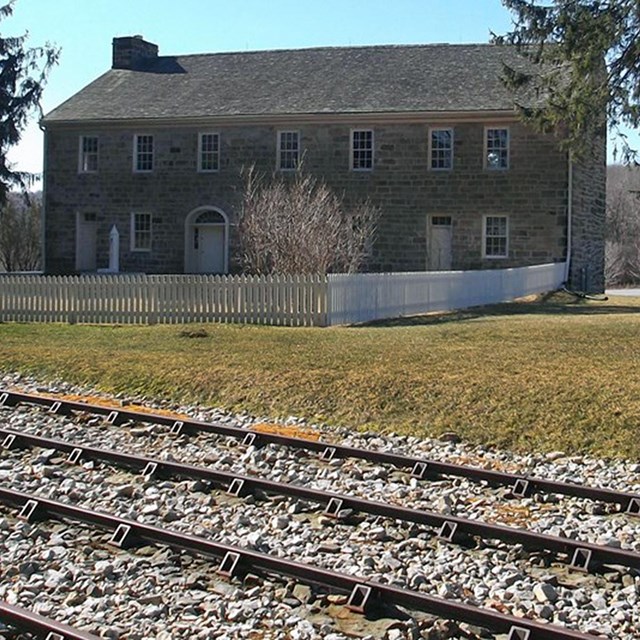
pixel 206 241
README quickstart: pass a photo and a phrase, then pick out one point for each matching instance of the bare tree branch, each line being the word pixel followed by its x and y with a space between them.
pixel 297 225
pixel 622 247
pixel 20 234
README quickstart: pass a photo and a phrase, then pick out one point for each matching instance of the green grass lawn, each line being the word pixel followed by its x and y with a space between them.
pixel 553 373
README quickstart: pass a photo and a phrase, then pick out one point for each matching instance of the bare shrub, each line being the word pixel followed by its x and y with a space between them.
pixel 20 234
pixel 297 225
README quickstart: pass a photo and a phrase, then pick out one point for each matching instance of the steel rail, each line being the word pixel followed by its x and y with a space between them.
pixel 422 468
pixel 584 556
pixel 25 620
pixel 237 559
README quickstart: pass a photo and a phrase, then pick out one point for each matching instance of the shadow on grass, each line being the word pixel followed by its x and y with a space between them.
pixel 553 303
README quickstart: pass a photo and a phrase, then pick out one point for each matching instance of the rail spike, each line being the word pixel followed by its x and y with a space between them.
pixel 56 407
pixel 8 442
pixel 124 537
pixel 237 488
pixel 333 508
pixel 74 456
pixel 30 511
pixel 361 598
pixel 229 565
pixel 633 509
pixel 519 633
pixel 581 560
pixel 521 488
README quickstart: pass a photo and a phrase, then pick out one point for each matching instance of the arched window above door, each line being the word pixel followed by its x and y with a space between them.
pixel 210 217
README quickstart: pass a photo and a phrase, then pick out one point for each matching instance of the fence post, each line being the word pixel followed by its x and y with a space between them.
pixel 153 302
pixel 320 295
pixel 72 299
pixel 3 297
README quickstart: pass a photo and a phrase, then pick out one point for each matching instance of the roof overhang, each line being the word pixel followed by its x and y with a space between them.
pixel 289 119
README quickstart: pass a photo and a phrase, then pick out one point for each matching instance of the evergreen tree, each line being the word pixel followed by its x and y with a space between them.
pixel 589 57
pixel 23 73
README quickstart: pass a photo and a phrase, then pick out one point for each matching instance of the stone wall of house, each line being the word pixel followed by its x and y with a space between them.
pixel 532 192
pixel 586 271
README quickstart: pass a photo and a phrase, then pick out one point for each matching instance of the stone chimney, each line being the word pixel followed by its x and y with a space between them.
pixel 130 52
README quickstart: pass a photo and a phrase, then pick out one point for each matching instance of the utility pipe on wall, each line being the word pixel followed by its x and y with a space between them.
pixel 569 216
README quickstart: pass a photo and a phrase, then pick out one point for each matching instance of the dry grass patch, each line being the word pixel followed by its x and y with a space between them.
pixel 552 373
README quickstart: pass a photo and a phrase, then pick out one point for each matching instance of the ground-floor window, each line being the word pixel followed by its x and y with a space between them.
pixel 140 231
pixel 496 237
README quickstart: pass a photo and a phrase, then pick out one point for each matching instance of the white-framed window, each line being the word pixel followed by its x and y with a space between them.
pixel 362 149
pixel 288 150
pixel 142 153
pixel 441 149
pixel 209 152
pixel 140 231
pixel 496 148
pixel 88 155
pixel 495 237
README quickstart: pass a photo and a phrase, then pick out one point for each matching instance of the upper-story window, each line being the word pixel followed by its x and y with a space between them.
pixel 496 148
pixel 88 158
pixel 140 231
pixel 143 153
pixel 441 149
pixel 209 152
pixel 362 150
pixel 496 237
pixel 288 150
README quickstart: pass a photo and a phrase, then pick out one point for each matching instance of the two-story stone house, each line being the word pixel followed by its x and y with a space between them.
pixel 156 147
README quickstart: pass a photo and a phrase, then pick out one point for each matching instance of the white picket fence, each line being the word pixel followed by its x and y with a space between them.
pixel 374 296
pixel 276 300
pixel 170 299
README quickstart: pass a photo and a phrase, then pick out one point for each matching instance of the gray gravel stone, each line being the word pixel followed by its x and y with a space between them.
pixel 166 592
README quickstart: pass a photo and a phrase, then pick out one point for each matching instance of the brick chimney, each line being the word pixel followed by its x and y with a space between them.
pixel 130 52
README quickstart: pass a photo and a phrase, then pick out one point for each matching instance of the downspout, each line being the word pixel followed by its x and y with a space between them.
pixel 567 264
pixel 43 216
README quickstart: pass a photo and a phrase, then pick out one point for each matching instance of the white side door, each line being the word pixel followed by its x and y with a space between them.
pixel 86 241
pixel 439 254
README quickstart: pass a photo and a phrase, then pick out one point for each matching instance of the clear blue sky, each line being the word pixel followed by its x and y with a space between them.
pixel 83 29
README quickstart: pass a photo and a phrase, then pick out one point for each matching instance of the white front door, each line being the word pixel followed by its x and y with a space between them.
pixel 439 243
pixel 209 245
pixel 86 235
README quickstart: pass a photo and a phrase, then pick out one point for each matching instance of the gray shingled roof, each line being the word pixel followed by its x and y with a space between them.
pixel 379 79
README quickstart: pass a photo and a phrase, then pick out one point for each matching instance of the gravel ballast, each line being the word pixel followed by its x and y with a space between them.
pixel 70 573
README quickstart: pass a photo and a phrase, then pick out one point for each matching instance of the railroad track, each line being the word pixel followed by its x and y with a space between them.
pixel 231 561
pixel 583 556
pixel 41 627
pixel 363 594
pixel 421 468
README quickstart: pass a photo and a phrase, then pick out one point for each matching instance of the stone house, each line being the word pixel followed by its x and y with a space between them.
pixel 156 145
